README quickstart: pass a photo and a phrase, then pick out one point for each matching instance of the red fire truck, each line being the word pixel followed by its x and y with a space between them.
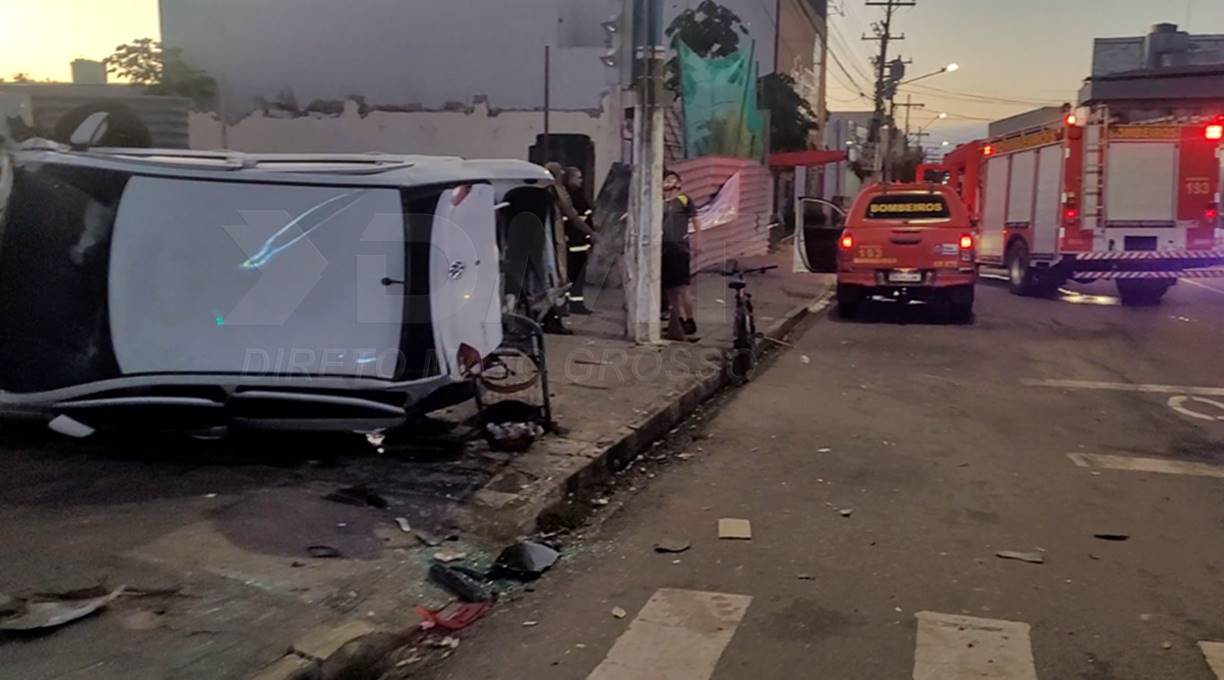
pixel 1090 199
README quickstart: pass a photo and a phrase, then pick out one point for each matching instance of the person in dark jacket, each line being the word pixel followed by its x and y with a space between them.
pixel 679 214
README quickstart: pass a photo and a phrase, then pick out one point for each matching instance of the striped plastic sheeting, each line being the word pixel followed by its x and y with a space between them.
pixel 1151 255
pixel 748 234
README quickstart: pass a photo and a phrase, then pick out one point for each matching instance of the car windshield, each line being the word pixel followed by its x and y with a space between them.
pixel 54 258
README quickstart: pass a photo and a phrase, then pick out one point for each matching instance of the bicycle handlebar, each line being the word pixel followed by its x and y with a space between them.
pixel 755 270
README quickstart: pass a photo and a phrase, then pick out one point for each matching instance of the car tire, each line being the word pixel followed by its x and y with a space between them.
pixel 1142 293
pixel 849 299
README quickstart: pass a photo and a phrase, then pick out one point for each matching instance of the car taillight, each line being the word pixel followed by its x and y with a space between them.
pixel 966 242
pixel 469 360
pixel 847 242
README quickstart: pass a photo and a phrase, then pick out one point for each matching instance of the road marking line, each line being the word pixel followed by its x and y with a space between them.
pixel 1214 653
pixel 678 635
pixel 1178 403
pixel 952 647
pixel 1162 466
pixel 1124 387
pixel 1200 284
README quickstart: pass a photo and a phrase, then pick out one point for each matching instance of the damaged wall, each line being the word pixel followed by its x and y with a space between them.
pixel 474 133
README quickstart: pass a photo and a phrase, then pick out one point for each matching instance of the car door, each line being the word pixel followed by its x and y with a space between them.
pixel 816 244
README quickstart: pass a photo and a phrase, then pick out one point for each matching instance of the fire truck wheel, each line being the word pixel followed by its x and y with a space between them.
pixel 1142 293
pixel 1023 279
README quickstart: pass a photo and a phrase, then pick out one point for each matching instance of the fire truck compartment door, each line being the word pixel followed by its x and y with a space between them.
pixel 1020 193
pixel 1048 210
pixel 1141 182
pixel 994 208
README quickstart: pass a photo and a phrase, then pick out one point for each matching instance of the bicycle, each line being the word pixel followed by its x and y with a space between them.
pixel 745 350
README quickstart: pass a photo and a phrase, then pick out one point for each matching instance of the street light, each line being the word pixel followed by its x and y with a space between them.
pixel 938 118
pixel 950 68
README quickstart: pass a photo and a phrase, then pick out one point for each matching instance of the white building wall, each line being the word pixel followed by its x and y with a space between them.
pixel 472 134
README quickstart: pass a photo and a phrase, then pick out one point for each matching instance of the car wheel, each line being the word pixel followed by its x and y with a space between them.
pixel 849 299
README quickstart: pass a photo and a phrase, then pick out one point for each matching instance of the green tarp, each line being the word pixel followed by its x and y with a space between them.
pixel 721 115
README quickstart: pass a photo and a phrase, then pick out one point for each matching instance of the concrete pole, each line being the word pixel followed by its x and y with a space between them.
pixel 645 243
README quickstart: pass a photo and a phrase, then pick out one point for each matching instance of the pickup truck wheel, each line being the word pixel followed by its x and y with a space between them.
pixel 1142 293
pixel 849 299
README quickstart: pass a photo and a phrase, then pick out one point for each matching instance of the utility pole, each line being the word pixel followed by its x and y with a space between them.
pixel 910 104
pixel 644 242
pixel 883 34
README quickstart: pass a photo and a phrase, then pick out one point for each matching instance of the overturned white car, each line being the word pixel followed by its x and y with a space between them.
pixel 200 291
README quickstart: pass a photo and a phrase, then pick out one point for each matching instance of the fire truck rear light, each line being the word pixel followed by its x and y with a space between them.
pixel 966 242
pixel 847 242
pixel 1211 214
pixel 1071 213
pixel 1070 120
pixel 1214 132
pixel 988 150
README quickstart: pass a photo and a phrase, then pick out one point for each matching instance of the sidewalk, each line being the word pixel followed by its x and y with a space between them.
pixel 222 528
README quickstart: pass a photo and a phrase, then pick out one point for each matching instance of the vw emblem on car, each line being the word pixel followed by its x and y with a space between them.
pixel 457 268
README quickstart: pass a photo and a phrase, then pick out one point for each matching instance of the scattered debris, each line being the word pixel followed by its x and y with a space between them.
pixel 1093 556
pixel 403 524
pixel 1030 557
pixel 805 577
pixel 448 556
pixel 322 552
pixel 525 561
pixel 454 616
pixel 1111 536
pixel 447 642
pixel 210 495
pixel 805 359
pixel 426 538
pixel 846 512
pixel 513 437
pixel 51 611
pixel 1166 645
pixel 672 545
pixel 530 624
pixel 619 613
pixel 825 450
pixel 684 456
pixel 461 583
pixel 735 529
pixel 601 502
pixel 359 496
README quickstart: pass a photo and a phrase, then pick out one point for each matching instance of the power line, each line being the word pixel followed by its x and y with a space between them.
pixel 978 97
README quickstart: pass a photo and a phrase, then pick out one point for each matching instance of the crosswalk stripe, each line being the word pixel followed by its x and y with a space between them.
pixel 678 635
pixel 1158 465
pixel 953 647
pixel 1125 387
pixel 1214 653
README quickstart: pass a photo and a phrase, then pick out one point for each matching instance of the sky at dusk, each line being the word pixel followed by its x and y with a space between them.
pixel 1013 54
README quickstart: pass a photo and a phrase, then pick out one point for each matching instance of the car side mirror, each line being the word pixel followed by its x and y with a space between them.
pixel 90 131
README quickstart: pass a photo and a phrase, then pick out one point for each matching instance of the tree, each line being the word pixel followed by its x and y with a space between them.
pixel 792 118
pixel 162 71
pixel 709 29
pixel 22 77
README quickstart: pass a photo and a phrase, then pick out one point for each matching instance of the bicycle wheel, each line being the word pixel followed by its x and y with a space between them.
pixel 744 349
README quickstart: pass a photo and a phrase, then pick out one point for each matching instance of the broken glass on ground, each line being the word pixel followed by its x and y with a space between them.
pixel 525 561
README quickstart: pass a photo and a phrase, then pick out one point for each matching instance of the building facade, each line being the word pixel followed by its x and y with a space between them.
pixel 438 76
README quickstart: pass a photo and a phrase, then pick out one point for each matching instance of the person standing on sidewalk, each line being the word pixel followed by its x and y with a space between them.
pixel 562 213
pixel 579 237
pixel 678 214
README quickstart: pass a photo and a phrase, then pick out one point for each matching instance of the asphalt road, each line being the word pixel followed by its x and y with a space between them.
pixel 944 445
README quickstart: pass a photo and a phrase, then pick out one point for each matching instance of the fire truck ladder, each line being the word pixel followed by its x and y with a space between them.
pixel 1096 138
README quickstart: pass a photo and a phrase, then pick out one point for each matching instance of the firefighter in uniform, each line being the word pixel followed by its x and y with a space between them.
pixel 579 238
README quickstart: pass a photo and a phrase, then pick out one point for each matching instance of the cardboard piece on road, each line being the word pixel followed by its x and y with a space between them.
pixel 735 529
pixel 1030 557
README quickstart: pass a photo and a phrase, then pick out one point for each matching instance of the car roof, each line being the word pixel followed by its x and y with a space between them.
pixel 364 169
